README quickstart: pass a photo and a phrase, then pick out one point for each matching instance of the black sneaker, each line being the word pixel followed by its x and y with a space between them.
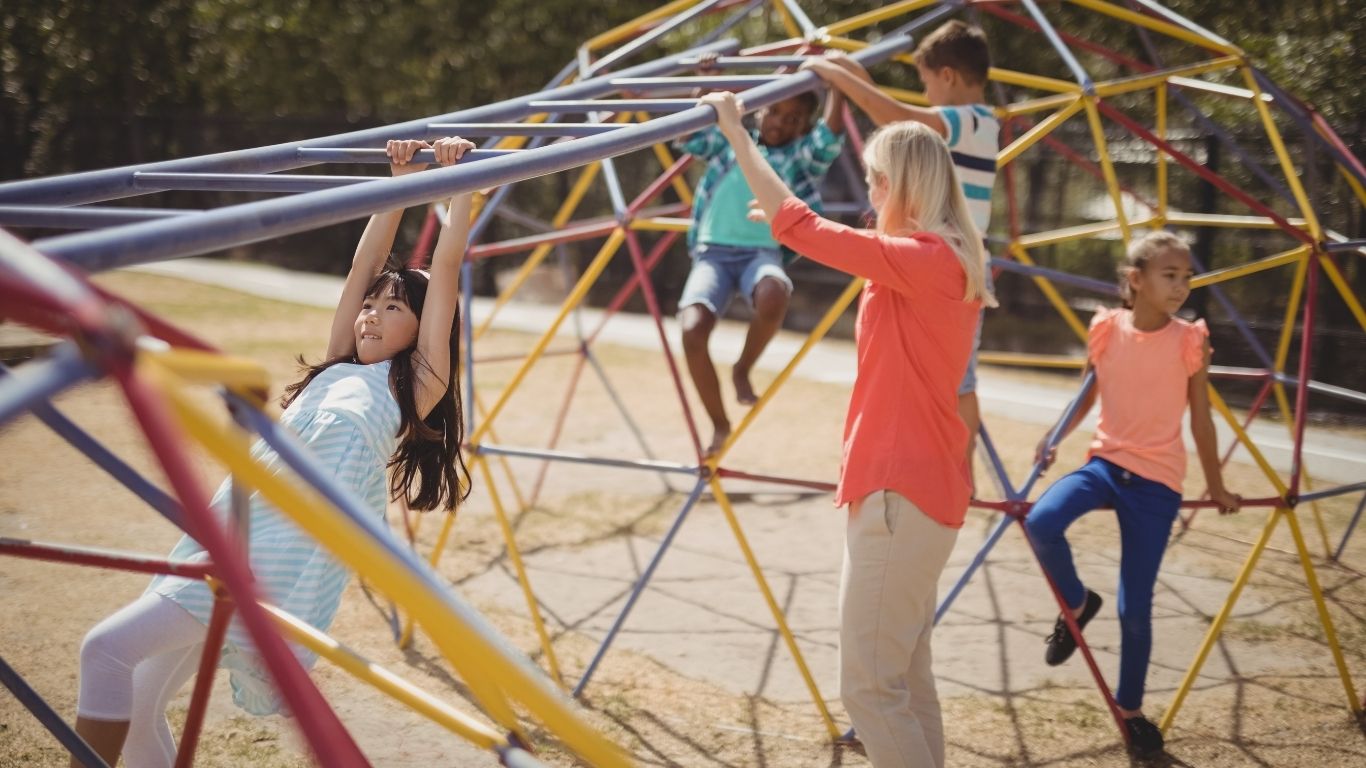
pixel 1145 740
pixel 1061 644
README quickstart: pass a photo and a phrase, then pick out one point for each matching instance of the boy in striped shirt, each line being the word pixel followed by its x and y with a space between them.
pixel 953 62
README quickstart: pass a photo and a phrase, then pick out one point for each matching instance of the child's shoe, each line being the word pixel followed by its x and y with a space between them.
pixel 1145 739
pixel 1060 643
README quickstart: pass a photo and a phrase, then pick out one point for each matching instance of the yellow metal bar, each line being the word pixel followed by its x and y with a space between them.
pixel 909 97
pixel 1157 25
pixel 479 662
pixel 1287 167
pixel 1031 361
pixel 1042 104
pixel 724 501
pixel 567 208
pixel 1151 79
pixel 1292 306
pixel 1217 626
pixel 1345 291
pixel 817 333
pixel 1037 82
pixel 1040 130
pixel 1160 95
pixel 1226 220
pixel 502 460
pixel 666 161
pixel 1242 270
pixel 1325 619
pixel 845 26
pixel 1219 405
pixel 523 580
pixel 662 224
pixel 212 368
pixel 580 290
pixel 789 23
pixel 386 682
pixel 1352 182
pixel 1075 323
pixel 1079 232
pixel 1111 180
pixel 635 26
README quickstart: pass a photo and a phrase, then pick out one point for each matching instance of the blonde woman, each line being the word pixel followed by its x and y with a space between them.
pixel 904 474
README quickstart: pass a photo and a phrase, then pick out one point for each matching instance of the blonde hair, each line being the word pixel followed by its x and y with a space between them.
pixel 1141 252
pixel 923 195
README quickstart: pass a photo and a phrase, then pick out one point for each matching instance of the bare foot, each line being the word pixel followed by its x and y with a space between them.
pixel 744 393
pixel 718 439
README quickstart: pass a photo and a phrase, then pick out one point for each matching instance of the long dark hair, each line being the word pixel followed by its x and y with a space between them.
pixel 428 455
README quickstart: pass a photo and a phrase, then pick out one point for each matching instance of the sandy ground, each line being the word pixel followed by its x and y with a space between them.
pixel 698 675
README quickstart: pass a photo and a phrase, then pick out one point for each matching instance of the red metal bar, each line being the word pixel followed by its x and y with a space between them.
pixel 1090 167
pixel 814 485
pixel 1311 303
pixel 1204 172
pixel 326 736
pixel 1071 40
pixel 1233 444
pixel 559 426
pixel 515 358
pixel 1331 136
pixel 423 247
pixel 102 558
pixel 658 185
pixel 629 287
pixel 1065 611
pixel 647 290
pixel 203 683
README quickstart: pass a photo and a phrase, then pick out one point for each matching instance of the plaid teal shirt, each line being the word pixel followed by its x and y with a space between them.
pixel 801 164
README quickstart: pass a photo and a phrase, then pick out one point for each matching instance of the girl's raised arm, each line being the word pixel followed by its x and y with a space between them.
pixel 371 253
pixel 1207 440
pixel 443 292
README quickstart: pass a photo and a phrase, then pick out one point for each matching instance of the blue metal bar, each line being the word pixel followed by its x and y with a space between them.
pixel 977 560
pixel 621 407
pixel 1345 245
pixel 730 23
pixel 1330 492
pixel 48 716
pixel 651 465
pixel 114 183
pixel 1053 275
pixel 57 217
pixel 654 34
pixel 1181 21
pixel 260 220
pixel 799 16
pixel 554 130
pixel 1244 329
pixel 742 62
pixel 378 156
pixel 571 106
pixel 1301 117
pixel 997 464
pixel 1056 435
pixel 695 81
pixel 37 382
pixel 640 585
pixel 243 182
pixel 1082 78
pixel 105 459
pixel 1337 553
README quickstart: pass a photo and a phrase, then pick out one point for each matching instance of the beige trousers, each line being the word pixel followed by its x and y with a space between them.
pixel 893 555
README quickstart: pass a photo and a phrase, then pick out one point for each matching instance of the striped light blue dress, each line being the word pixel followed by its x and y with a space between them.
pixel 349 420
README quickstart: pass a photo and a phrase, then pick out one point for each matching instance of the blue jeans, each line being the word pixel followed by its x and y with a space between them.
pixel 1145 510
pixel 721 271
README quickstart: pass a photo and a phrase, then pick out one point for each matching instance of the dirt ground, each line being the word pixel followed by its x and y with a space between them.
pixel 698 675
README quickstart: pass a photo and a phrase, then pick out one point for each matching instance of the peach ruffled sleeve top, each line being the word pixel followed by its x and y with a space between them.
pixel 1143 379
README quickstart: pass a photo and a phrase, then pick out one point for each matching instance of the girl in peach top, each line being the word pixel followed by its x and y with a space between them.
pixel 904 471
pixel 1149 366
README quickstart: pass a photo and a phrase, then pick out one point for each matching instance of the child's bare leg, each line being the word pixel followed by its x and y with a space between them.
pixel 698 323
pixel 770 305
pixel 106 737
pixel 972 418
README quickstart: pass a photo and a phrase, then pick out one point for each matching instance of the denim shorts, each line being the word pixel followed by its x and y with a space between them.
pixel 721 271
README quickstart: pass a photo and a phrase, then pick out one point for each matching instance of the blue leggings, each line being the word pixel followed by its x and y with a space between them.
pixel 1146 510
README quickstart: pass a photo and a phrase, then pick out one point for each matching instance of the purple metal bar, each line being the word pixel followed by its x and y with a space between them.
pixel 1053 275
pixel 654 34
pixel 48 716
pixel 580 458
pixel 732 82
pixel 379 157
pixel 742 62
pixel 113 183
pixel 252 222
pixel 1351 526
pixel 1330 492
pixel 1345 245
pixel 570 106
pixel 56 217
pixel 36 383
pixel 1304 117
pixel 799 16
pixel 243 182
pixel 552 130
pixel 1082 78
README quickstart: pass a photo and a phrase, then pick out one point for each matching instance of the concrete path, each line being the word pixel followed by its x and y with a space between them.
pixel 1333 458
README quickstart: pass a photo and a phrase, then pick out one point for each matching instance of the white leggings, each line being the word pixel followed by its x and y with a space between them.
pixel 132 664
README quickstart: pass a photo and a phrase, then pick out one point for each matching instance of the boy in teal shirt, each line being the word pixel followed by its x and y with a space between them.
pixel 734 254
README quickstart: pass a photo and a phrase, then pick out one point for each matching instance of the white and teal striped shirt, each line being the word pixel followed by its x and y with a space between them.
pixel 972 135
